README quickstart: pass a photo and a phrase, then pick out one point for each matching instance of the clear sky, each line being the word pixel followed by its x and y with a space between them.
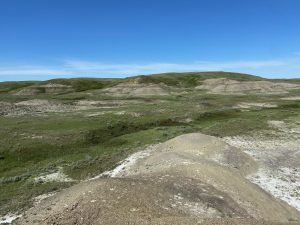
pixel 42 39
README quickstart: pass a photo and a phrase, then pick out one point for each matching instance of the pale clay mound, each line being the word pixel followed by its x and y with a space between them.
pixel 226 86
pixel 137 89
pixel 191 179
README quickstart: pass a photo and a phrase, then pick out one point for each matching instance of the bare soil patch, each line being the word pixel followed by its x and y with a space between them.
pixel 32 106
pixel 226 86
pixel 292 98
pixel 249 105
pixel 278 155
pixel 138 89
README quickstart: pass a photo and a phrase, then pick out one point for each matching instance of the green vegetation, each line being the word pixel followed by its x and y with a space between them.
pixel 83 84
pixel 193 79
pixel 11 86
pixel 87 142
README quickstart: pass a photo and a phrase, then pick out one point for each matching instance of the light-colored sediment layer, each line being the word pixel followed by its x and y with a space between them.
pixel 292 98
pixel 249 105
pixel 284 184
pixel 137 89
pixel 9 218
pixel 35 106
pixel 226 86
pixel 58 176
pixel 278 156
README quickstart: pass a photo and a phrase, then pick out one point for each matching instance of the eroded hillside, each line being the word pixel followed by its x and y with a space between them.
pixel 61 133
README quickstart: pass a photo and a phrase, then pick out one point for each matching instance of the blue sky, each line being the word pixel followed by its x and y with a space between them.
pixel 42 39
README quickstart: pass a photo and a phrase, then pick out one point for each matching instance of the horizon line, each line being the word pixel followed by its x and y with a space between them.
pixel 148 74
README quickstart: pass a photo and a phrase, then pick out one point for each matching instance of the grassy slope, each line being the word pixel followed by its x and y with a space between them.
pixel 83 84
pixel 31 145
pixel 179 79
pixel 192 79
pixel 11 86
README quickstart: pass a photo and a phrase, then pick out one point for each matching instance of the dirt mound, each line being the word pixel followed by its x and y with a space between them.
pixel 143 202
pixel 191 179
pixel 138 89
pixel 191 149
pixel 47 88
pixel 226 86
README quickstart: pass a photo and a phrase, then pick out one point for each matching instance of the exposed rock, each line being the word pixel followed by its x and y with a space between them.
pixel 232 87
pixel 137 89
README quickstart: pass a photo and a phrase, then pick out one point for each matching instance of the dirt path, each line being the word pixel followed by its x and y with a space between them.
pixel 191 179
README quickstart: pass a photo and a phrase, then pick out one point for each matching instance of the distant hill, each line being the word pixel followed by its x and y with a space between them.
pixel 193 78
pixel 186 79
